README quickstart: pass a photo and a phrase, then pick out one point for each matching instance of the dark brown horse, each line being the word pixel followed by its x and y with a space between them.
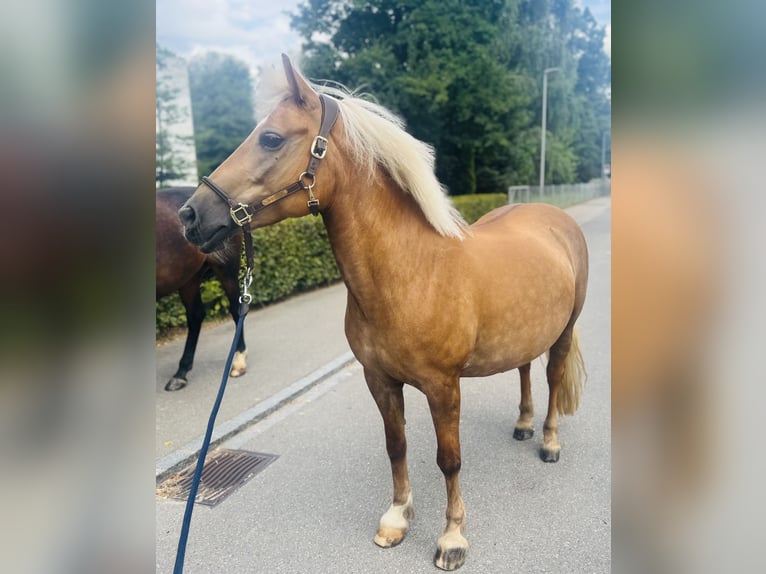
pixel 430 299
pixel 182 267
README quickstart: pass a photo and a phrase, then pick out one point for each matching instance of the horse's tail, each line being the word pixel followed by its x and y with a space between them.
pixel 568 398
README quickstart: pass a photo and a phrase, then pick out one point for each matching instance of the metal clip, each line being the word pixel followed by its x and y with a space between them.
pixel 313 202
pixel 245 297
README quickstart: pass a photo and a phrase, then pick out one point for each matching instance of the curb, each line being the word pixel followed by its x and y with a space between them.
pixel 181 457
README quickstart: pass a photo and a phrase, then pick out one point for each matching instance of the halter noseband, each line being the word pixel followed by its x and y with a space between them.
pixel 243 213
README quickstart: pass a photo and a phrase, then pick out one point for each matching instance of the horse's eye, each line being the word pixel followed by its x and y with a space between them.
pixel 271 140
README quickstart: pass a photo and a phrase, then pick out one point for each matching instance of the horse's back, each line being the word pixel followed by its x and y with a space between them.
pixel 168 202
pixel 527 216
pixel 535 227
pixel 174 197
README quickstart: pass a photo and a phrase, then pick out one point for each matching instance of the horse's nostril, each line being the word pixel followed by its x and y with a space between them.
pixel 187 215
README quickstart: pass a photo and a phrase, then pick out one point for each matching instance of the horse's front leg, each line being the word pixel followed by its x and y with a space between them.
pixel 195 315
pixel 389 397
pixel 444 402
pixel 228 277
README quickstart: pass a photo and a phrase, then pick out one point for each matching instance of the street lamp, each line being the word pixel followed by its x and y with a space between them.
pixel 603 156
pixel 542 138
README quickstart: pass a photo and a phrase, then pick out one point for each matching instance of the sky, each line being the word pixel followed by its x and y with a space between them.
pixel 258 31
pixel 255 31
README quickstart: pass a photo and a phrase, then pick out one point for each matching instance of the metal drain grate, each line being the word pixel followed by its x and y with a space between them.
pixel 224 472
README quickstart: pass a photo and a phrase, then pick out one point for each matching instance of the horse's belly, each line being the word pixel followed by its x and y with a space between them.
pixel 516 335
pixel 492 359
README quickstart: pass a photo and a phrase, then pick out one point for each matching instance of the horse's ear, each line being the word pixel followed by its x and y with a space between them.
pixel 299 87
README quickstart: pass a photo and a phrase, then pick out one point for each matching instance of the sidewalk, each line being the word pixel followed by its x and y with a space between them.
pixel 286 342
pixel 291 346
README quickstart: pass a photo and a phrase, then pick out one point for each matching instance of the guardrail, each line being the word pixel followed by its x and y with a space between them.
pixel 560 195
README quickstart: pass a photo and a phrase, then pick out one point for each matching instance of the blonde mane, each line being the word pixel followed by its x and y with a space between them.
pixel 376 137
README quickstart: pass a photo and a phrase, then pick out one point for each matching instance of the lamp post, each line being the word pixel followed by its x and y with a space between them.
pixel 542 138
pixel 603 156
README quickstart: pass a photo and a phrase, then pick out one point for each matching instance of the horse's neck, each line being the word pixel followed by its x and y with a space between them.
pixel 381 240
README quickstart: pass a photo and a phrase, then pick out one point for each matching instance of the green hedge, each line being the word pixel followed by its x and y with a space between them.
pixel 290 257
pixel 472 207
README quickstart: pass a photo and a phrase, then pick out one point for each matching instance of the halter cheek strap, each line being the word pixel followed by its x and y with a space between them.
pixel 243 213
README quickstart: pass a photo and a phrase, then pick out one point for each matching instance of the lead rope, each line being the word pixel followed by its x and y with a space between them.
pixel 244 306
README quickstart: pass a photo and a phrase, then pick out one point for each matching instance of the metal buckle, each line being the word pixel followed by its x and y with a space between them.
pixel 319 147
pixel 240 219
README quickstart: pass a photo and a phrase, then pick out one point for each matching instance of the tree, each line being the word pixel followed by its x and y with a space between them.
pixel 557 33
pixel 169 164
pixel 222 106
pixel 593 96
pixel 466 75
pixel 434 63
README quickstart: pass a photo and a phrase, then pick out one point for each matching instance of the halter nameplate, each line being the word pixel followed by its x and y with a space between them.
pixel 243 213
pixel 275 197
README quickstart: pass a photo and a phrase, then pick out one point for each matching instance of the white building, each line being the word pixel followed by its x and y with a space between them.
pixel 175 118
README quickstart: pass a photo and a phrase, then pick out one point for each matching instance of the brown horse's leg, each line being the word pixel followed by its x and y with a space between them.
pixel 389 397
pixel 444 402
pixel 551 448
pixel 195 314
pixel 524 427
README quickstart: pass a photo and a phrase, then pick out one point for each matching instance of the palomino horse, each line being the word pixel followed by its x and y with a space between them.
pixel 429 298
pixel 182 267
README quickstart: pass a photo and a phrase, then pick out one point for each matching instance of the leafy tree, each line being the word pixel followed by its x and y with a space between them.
pixel 435 63
pixel 467 77
pixel 592 95
pixel 222 106
pixel 556 33
pixel 168 163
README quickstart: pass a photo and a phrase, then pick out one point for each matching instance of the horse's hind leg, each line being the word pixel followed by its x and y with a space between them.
pixel 389 397
pixel 195 314
pixel 524 428
pixel 565 374
pixel 551 448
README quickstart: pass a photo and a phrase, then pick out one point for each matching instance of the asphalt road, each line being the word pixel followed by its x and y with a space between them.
pixel 316 508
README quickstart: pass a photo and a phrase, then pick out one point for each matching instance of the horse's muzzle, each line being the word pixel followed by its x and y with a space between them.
pixel 187 215
pixel 209 237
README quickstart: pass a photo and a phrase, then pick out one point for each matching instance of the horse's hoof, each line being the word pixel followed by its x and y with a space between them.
pixel 237 372
pixel 238 364
pixel 389 537
pixel 176 384
pixel 394 524
pixel 548 455
pixel 451 550
pixel 450 559
pixel 523 434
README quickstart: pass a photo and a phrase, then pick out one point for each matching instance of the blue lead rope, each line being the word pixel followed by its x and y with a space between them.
pixel 181 552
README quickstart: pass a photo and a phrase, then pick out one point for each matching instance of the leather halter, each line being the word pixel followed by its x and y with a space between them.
pixel 243 213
